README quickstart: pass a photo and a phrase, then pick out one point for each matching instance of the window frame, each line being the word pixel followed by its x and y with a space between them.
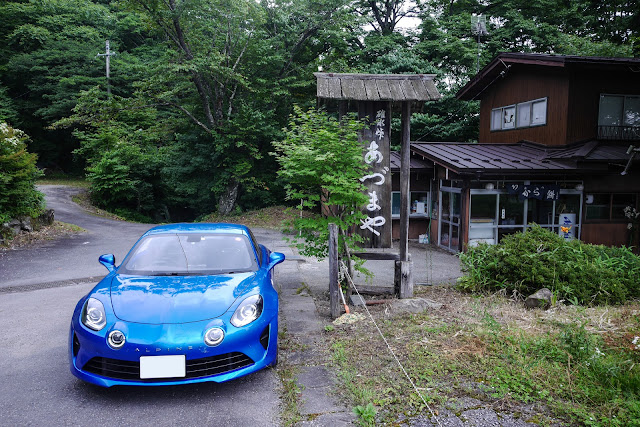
pixel 621 114
pixel 517 110
pixel 427 207
pixel 610 219
pixel 499 229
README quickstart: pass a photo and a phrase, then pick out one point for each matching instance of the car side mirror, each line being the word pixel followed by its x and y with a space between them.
pixel 109 261
pixel 274 259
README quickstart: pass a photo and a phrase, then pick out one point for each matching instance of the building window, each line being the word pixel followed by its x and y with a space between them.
pixel 503 118
pixel 494 214
pixel 482 219
pixel 608 207
pixel 619 117
pixel 522 115
pixel 532 113
pixel 419 204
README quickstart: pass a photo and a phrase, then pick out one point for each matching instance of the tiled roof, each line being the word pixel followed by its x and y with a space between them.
pixel 377 87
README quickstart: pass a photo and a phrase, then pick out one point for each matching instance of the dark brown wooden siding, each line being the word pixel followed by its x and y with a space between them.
pixel 605 234
pixel 617 183
pixel 527 85
pixel 417 226
pixel 418 181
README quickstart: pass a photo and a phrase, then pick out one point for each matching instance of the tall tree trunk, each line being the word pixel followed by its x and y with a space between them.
pixel 227 200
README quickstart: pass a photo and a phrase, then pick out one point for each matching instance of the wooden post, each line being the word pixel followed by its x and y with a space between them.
pixel 333 271
pixel 405 156
pixel 403 277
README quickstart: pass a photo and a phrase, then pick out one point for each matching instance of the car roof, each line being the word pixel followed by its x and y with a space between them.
pixel 199 227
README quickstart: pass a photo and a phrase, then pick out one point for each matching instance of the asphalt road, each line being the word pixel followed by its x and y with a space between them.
pixel 36 387
pixel 72 257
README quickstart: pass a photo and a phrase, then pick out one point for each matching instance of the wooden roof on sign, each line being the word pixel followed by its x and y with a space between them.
pixel 377 87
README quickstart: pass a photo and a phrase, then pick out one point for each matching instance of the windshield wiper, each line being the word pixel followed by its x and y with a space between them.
pixel 173 273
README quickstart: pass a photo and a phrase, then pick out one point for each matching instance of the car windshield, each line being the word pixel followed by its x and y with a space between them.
pixel 190 254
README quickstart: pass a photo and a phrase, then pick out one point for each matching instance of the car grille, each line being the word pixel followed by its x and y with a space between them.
pixel 196 368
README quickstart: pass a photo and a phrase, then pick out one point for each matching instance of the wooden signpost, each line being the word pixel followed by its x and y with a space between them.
pixel 375 95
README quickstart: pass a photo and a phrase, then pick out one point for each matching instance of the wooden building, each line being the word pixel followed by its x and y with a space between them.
pixel 558 145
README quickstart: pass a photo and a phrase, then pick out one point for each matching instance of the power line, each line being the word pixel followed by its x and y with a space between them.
pixel 451 116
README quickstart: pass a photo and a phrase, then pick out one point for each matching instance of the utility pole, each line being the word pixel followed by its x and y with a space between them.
pixel 108 54
pixel 479 27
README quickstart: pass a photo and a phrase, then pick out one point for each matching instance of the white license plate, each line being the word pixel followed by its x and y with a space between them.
pixel 162 366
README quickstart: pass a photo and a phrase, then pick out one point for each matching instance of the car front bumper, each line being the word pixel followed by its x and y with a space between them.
pixel 243 351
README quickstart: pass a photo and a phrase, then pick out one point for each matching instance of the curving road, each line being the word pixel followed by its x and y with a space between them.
pixel 39 287
pixel 73 257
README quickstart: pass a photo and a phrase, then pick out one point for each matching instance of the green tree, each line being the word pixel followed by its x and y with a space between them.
pixel 231 66
pixel 48 56
pixel 8 112
pixel 321 163
pixel 18 173
pixel 122 143
pixel 384 16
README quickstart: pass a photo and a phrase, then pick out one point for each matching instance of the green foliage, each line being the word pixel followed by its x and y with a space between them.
pixel 212 82
pixel 578 376
pixel 366 414
pixel 576 272
pixel 123 180
pixel 321 163
pixel 8 112
pixel 18 174
pixel 571 364
pixel 120 142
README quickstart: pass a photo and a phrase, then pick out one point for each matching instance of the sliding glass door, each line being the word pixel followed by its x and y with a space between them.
pixel 450 202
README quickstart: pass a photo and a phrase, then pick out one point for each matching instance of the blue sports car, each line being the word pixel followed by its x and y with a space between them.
pixel 189 303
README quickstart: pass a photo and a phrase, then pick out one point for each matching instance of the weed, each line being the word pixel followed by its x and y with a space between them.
pixel 553 361
pixel 290 395
pixel 61 179
pixel 303 288
pixel 290 391
pixel 366 414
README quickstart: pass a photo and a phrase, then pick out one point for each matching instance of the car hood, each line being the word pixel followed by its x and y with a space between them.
pixel 175 299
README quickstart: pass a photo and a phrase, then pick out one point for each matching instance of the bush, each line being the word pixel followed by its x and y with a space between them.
pixel 126 181
pixel 321 163
pixel 18 174
pixel 576 272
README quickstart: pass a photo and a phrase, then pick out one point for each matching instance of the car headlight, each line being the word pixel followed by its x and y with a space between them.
pixel 93 315
pixel 248 311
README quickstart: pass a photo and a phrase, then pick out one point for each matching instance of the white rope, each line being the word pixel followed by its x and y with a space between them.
pixel 345 272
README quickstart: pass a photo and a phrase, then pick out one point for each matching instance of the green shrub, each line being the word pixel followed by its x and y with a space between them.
pixel 18 174
pixel 576 272
pixel 125 180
